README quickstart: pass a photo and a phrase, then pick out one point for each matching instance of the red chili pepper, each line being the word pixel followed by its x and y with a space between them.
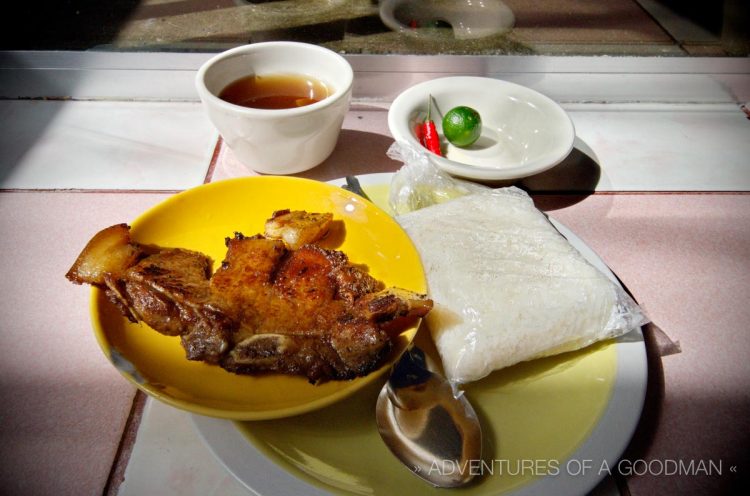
pixel 428 134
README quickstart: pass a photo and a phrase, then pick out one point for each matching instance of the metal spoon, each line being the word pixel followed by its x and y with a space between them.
pixel 426 426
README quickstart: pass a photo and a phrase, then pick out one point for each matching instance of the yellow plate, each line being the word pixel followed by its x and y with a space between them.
pixel 200 219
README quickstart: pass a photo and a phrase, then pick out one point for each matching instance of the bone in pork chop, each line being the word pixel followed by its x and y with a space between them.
pixel 268 308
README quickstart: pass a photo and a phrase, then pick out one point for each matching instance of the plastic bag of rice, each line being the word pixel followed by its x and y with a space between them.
pixel 507 286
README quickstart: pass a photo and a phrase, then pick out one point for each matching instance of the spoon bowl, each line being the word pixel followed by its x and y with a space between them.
pixel 433 431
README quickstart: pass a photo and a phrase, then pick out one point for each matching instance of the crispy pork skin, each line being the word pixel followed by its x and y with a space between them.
pixel 110 251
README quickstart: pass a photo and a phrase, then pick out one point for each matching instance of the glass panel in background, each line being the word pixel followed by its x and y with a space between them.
pixel 472 27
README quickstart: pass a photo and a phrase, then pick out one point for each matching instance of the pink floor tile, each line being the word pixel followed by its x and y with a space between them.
pixel 62 405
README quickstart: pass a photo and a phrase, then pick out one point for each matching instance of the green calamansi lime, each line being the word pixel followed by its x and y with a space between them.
pixel 462 126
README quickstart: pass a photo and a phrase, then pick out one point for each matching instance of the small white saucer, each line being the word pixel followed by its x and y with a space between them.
pixel 523 131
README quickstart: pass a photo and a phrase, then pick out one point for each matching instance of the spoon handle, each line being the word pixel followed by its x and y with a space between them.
pixel 352 184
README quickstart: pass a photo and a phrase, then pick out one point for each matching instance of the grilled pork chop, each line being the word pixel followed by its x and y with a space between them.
pixel 169 290
pixel 268 308
pixel 306 311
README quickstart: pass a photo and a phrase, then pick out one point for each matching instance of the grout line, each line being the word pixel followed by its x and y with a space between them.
pixel 214 160
pixel 636 193
pixel 86 191
pixel 586 193
pixel 97 99
pixel 125 448
pixel 209 175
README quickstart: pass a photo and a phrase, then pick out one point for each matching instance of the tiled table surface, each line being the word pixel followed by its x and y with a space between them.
pixel 670 214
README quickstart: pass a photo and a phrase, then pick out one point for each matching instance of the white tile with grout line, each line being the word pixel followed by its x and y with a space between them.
pixel 63 144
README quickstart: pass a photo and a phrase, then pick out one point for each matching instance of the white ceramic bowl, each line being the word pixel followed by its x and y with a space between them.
pixel 284 141
pixel 523 131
